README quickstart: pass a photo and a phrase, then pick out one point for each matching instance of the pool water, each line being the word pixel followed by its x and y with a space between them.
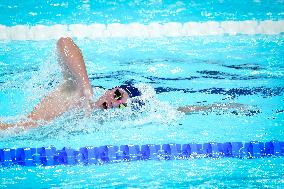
pixel 191 70
pixel 183 72
pixel 127 11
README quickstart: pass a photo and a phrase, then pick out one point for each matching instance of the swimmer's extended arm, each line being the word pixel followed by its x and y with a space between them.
pixel 71 58
pixel 74 92
pixel 25 124
pixel 50 107
pixel 4 126
pixel 189 109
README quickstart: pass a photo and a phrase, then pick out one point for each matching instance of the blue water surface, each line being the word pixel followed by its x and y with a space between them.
pixel 183 71
pixel 126 11
pixel 201 70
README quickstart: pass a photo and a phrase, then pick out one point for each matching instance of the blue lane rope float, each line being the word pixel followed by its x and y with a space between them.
pixel 50 156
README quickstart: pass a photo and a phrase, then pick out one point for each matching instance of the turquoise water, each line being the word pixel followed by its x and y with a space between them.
pixel 181 74
pixel 126 11
pixel 246 69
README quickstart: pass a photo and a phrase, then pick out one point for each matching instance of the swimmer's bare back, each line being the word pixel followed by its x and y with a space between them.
pixel 74 92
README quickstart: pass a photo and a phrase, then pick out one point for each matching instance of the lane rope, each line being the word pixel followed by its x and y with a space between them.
pixel 152 30
pixel 50 156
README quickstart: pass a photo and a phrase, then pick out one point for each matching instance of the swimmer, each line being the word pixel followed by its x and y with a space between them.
pixel 75 92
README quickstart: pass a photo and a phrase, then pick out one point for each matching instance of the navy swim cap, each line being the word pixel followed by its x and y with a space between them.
pixel 131 90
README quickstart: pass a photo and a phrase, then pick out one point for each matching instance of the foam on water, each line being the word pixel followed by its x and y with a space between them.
pixel 74 124
pixel 153 30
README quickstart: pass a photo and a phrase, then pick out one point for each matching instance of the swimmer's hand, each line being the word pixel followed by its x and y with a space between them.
pixel 210 107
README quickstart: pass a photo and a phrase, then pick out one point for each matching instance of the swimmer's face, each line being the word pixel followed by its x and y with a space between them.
pixel 112 98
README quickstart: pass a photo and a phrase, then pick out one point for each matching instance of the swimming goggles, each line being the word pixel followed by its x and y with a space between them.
pixel 118 96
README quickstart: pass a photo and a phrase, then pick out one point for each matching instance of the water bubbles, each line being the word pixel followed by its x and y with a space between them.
pixel 33 13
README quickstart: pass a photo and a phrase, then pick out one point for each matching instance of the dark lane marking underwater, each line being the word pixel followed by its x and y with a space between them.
pixel 208 74
pixel 279 111
pixel 112 75
pixel 247 113
pixel 222 75
pixel 153 61
pixel 244 67
pixel 233 93
pixel 14 71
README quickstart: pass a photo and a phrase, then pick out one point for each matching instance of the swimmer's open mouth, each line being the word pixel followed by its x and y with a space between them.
pixel 105 106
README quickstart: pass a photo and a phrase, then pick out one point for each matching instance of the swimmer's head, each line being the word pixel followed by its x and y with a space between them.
pixel 117 97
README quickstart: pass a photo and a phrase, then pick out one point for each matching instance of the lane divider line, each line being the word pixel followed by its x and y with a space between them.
pixel 153 30
pixel 50 156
